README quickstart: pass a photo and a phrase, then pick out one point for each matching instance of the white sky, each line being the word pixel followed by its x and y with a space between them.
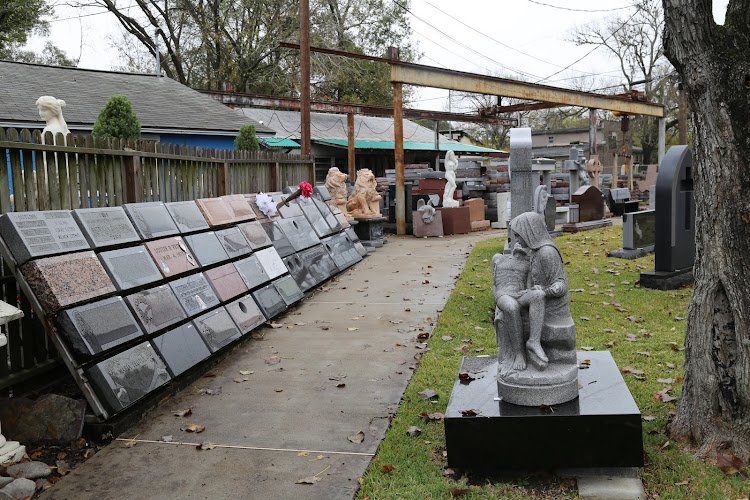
pixel 473 36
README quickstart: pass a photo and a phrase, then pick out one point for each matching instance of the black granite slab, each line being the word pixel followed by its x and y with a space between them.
pixel 255 235
pixel 105 227
pixel 181 348
pixel 322 229
pixel 329 217
pixel 217 328
pixel 130 267
pixel 93 328
pixel 600 428
pixel 638 229
pixel 319 263
pixel 271 262
pixel 355 240
pixel 269 300
pixel 187 216
pixel 29 235
pixel 206 248
pixel 151 220
pixel 289 290
pixel 279 239
pixel 246 313
pixel 299 271
pixel 156 308
pixel 234 242
pixel 289 210
pixel 126 377
pixel 342 251
pixel 194 294
pixel 252 272
pixel 299 232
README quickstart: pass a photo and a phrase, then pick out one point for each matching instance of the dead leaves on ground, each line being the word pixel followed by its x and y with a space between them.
pixel 357 438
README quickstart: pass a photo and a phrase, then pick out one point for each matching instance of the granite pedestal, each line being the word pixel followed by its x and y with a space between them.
pixel 421 229
pixel 600 428
pixel 370 231
pixel 456 220
pixel 667 280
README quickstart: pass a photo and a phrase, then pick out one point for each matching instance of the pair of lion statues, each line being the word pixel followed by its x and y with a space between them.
pixel 364 201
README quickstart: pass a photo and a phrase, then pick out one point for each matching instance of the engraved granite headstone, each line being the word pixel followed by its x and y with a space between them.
pixel 29 235
pixel 151 220
pixel 156 308
pixel 194 294
pixel 93 328
pixel 289 210
pixel 279 239
pixel 130 267
pixel 299 232
pixel 319 263
pixel 187 216
pixel 246 313
pixel 105 227
pixel 315 217
pixel 342 251
pixel 215 211
pixel 638 229
pixel 251 271
pixel 271 262
pixel 217 328
pixel 328 215
pixel 207 248
pixel 234 242
pixel 126 377
pixel 172 256
pixel 67 280
pixel 226 281
pixel 269 300
pixel 255 235
pixel 301 274
pixel 239 207
pixel 182 348
pixel 288 289
pixel 590 203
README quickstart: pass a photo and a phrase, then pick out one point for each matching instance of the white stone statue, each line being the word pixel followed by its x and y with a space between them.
pixel 451 163
pixel 50 110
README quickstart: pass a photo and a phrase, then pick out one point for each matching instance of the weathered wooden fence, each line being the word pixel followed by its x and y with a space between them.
pixel 79 171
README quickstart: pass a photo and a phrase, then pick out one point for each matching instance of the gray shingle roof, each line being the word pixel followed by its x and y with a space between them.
pixel 162 105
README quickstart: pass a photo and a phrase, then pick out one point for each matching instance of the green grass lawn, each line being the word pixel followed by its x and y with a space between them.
pixel 643 329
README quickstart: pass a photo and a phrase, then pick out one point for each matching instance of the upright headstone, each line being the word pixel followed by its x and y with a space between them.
pixel 217 328
pixel 194 294
pixel 182 348
pixel 246 313
pixel 234 242
pixel 105 227
pixel 187 216
pixel 590 203
pixel 522 183
pixel 151 220
pixel 251 271
pixel 172 256
pixel 130 267
pixel 255 235
pixel 29 235
pixel 207 248
pixel 638 229
pixel 156 308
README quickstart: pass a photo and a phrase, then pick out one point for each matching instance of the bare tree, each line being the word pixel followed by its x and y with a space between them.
pixel 713 63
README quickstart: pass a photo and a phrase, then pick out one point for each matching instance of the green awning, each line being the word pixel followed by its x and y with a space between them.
pixel 273 142
pixel 410 146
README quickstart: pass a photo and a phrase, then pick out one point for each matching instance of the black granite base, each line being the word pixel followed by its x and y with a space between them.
pixel 667 280
pixel 576 227
pixel 632 253
pixel 600 428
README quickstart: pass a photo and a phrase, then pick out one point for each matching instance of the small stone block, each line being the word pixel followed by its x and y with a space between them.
pixel 299 232
pixel 271 262
pixel 187 216
pixel 30 235
pixel 456 220
pixel 97 327
pixel 105 227
pixel 156 308
pixel 289 290
pixel 182 348
pixel 206 248
pixel 217 328
pixel 194 294
pixel 239 207
pixel 172 256
pixel 610 488
pixel 421 229
pixel 215 211
pixel 269 300
pixel 246 313
pixel 234 242
pixel 126 377
pixel 480 225
pixel 476 209
pixel 67 280
pixel 252 272
pixel 255 235
pixel 226 282
pixel 280 241
pixel 130 267
pixel 151 220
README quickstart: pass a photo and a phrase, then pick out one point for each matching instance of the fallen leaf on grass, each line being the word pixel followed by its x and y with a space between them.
pixel 357 438
pixel 457 492
pixel 648 418
pixel 462 348
pixel 585 318
pixel 414 431
pixel 667 381
pixel 183 413
pixel 683 483
pixel 630 369
pixel 206 445
pixel 427 394
pixel 387 469
pixel 729 464
pixel 643 353
pixel 193 428
pixel 611 343
pixel 430 417
pixel 587 348
pixel 446 338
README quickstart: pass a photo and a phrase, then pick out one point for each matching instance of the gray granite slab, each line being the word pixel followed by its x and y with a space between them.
pixel 217 328
pixel 355 240
pixel 194 294
pixel 187 216
pixel 299 271
pixel 156 308
pixel 315 218
pixel 234 242
pixel 151 220
pixel 289 210
pixel 271 262
pixel 93 328
pixel 329 216
pixel 126 377
pixel 269 300
pixel 342 251
pixel 29 235
pixel 130 267
pixel 279 239
pixel 289 290
pixel 339 216
pixel 638 229
pixel 106 227
pixel 322 191
pixel 182 348
pixel 255 235
pixel 246 313
pixel 207 248
pixel 319 263
pixel 299 232
pixel 252 272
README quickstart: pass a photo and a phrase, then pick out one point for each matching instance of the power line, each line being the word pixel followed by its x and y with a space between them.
pixel 88 15
pixel 577 10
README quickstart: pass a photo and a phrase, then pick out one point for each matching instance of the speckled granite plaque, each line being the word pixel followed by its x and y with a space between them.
pixel 156 308
pixel 226 281
pixel 217 328
pixel 151 220
pixel 105 227
pixel 207 248
pixel 187 216
pixel 246 313
pixel 172 256
pixel 182 348
pixel 130 267
pixel 271 262
pixel 251 271
pixel 67 280
pixel 215 211
pixel 194 294
pixel 29 235
pixel 239 207
pixel 233 242
pixel 255 235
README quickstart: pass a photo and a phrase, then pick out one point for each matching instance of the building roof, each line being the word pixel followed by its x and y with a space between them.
pixel 410 146
pixel 162 104
pixel 274 142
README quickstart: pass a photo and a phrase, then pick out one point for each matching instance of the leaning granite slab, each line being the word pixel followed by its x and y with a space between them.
pixel 156 308
pixel 187 216
pixel 239 207
pixel 194 294
pixel 252 272
pixel 255 235
pixel 31 235
pixel 269 300
pixel 172 256
pixel 181 348
pixel 246 313
pixel 215 211
pixel 105 227
pixel 151 220
pixel 217 328
pixel 130 267
pixel 207 248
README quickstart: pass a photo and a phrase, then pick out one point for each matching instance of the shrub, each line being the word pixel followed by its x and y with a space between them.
pixel 117 119
pixel 246 140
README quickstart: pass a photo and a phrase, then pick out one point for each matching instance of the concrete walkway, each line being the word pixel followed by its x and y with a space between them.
pixel 348 333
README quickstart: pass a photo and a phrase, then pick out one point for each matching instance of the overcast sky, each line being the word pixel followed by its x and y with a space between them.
pixel 524 39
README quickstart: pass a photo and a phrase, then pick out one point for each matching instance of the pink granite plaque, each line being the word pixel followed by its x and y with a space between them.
pixel 172 256
pixel 239 207
pixel 215 211
pixel 226 281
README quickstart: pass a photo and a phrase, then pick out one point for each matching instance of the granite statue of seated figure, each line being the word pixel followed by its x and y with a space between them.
pixel 364 201
pixel 533 326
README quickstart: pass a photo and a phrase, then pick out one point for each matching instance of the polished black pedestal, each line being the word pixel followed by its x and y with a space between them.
pixel 370 231
pixel 667 280
pixel 600 428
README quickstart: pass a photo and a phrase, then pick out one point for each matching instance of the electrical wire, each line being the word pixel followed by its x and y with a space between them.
pixel 577 10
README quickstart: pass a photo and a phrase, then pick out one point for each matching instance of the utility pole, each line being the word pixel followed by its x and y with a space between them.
pixel 304 64
pixel 398 147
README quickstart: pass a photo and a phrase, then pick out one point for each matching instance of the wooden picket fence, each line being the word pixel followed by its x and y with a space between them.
pixel 80 171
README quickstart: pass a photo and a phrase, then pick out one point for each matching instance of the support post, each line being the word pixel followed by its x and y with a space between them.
pixel 398 133
pixel 222 183
pixel 304 55
pixel 592 131
pixel 350 146
pixel 133 181
pixel 275 176
pixel 662 138
pixel 437 145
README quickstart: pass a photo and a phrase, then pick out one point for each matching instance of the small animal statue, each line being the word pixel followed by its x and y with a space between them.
pixel 363 203
pixel 336 185
pixel 427 211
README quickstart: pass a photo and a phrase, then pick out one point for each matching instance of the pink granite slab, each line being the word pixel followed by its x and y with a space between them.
pixel 215 211
pixel 239 207
pixel 226 281
pixel 172 256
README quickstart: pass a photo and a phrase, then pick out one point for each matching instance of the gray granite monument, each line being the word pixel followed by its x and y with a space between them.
pixel 39 234
pixel 105 227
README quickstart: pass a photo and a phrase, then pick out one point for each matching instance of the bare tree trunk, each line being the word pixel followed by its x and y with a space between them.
pixel 715 69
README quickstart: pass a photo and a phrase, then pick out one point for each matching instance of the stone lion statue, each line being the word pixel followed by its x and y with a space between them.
pixel 363 203
pixel 336 185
